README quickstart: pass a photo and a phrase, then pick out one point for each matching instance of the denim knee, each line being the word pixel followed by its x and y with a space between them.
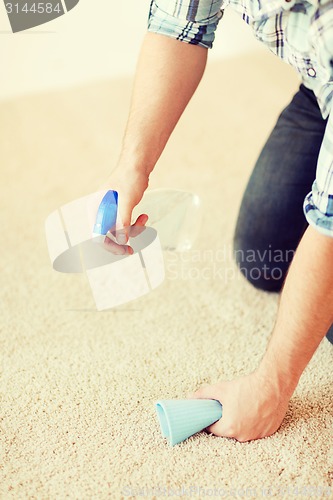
pixel 329 335
pixel 260 271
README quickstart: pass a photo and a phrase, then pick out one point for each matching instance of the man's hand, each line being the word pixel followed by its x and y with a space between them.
pixel 110 242
pixel 130 183
pixel 253 408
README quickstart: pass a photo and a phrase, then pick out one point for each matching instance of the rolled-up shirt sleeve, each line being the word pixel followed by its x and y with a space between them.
pixel 191 21
pixel 318 204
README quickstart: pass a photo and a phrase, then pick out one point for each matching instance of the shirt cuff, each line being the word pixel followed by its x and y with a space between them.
pixel 196 32
pixel 316 217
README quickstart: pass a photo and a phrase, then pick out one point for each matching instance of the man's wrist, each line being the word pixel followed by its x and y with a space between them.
pixel 135 162
pixel 273 371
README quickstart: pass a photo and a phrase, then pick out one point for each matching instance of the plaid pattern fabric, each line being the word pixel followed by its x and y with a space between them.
pixel 300 32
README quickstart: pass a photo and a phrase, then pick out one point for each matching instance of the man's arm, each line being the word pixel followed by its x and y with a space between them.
pixel 305 312
pixel 255 405
pixel 168 72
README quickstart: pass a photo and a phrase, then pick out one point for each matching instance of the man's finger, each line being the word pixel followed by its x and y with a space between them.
pixel 139 225
pixel 141 220
pixel 116 249
pixel 216 429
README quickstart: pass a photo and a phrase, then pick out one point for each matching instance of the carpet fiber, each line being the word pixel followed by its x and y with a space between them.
pixel 78 387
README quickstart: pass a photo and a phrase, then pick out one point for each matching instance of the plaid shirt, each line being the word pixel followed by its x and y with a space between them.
pixel 300 32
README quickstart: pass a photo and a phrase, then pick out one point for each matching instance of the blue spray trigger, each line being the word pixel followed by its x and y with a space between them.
pixel 106 214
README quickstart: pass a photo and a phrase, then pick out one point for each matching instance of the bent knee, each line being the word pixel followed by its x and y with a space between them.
pixel 261 272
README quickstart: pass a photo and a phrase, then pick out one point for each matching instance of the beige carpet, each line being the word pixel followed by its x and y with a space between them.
pixel 78 386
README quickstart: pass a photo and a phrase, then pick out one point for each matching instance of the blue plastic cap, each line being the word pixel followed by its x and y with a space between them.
pixel 107 213
pixel 181 418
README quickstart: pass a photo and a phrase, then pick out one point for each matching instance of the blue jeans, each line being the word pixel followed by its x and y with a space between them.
pixel 271 221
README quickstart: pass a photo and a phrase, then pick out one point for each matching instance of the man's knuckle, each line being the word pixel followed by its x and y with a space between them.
pixel 243 438
pixel 229 431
